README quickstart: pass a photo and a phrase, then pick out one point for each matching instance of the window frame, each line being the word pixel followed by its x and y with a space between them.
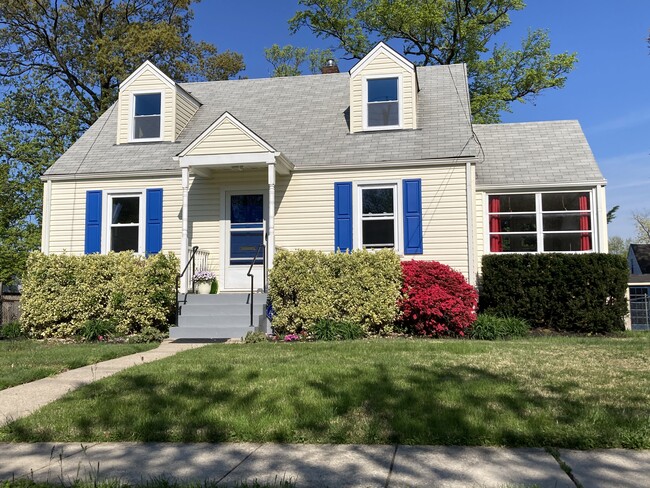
pixel 539 221
pixel 132 137
pixel 107 198
pixel 400 101
pixel 357 210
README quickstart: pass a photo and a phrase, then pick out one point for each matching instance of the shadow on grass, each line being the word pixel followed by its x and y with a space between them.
pixel 373 403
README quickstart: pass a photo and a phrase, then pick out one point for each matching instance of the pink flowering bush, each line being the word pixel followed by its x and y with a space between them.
pixel 436 300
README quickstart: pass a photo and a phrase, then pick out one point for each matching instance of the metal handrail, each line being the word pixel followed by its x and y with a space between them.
pixel 179 276
pixel 252 277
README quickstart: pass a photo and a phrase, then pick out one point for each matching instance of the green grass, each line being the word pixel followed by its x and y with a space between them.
pixel 153 483
pixel 548 391
pixel 22 361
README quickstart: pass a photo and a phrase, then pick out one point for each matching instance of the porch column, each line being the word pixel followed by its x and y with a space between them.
pixel 185 181
pixel 270 243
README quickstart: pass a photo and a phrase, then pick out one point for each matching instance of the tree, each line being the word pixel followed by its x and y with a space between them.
pixel 618 245
pixel 611 214
pixel 288 60
pixel 61 63
pixel 642 224
pixel 445 32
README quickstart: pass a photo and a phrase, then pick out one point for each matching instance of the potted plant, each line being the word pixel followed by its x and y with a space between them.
pixel 203 281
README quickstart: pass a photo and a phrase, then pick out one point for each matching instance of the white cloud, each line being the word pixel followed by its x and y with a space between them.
pixel 631 119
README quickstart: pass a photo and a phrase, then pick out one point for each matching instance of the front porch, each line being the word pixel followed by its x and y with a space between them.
pixel 235 192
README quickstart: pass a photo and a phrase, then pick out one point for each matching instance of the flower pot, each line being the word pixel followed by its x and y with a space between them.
pixel 203 287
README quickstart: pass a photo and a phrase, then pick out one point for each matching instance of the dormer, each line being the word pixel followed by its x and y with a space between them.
pixel 383 92
pixel 152 108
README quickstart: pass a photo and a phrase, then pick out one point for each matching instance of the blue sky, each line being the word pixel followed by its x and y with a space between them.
pixel 608 92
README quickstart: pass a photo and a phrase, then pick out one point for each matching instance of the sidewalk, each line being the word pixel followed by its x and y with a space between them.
pixel 325 465
pixel 22 400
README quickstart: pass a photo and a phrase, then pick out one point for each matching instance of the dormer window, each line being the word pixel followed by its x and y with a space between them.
pixel 147 123
pixel 382 103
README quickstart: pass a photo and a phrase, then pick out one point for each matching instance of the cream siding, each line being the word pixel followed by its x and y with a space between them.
pixel 68 210
pixel 383 65
pixel 305 209
pixel 185 110
pixel 226 138
pixel 148 81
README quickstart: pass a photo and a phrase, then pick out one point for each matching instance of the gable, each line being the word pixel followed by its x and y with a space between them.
pixel 226 136
pixel 640 253
pixel 146 79
pixel 381 62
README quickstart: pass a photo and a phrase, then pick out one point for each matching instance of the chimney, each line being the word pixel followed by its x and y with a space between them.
pixel 330 67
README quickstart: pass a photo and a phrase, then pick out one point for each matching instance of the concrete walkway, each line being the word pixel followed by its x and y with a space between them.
pixel 22 400
pixel 325 465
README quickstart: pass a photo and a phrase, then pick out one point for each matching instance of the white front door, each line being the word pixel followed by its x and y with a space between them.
pixel 245 231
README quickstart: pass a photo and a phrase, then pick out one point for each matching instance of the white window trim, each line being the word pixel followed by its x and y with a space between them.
pixel 357 211
pixel 400 102
pixel 539 220
pixel 132 116
pixel 107 218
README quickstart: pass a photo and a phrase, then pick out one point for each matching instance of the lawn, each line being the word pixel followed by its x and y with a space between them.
pixel 22 361
pixel 558 391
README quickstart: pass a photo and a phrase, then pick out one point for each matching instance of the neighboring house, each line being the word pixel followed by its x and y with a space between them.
pixel 384 156
pixel 638 258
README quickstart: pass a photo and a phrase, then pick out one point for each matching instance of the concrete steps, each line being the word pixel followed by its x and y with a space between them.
pixel 221 316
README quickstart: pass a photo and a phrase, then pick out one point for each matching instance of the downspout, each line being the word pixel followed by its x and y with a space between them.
pixel 471 229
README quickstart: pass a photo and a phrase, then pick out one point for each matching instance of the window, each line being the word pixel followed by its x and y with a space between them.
pixel 378 216
pixel 382 103
pixel 125 223
pixel 147 116
pixel 540 222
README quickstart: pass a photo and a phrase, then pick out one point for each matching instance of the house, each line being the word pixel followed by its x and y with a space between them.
pixel 382 156
pixel 638 258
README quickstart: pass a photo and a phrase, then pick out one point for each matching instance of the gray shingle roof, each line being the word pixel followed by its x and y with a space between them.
pixel 303 117
pixel 642 254
pixel 535 153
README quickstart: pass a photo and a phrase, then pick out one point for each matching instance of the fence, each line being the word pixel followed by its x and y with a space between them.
pixel 9 308
pixel 640 312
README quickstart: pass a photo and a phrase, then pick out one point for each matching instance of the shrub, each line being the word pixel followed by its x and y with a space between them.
pixel 255 337
pixel 97 329
pixel 11 331
pixel 436 300
pixel 62 292
pixel 361 287
pixel 330 330
pixel 146 335
pixel 567 292
pixel 490 327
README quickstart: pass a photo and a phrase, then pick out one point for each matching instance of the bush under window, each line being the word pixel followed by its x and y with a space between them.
pixel 62 293
pixel 361 287
pixel 567 292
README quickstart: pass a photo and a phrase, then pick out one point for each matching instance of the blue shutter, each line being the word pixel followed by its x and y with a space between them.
pixel 343 216
pixel 93 241
pixel 412 216
pixel 153 239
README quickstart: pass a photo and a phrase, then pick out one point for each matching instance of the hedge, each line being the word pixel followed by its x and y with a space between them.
pixel 567 292
pixel 361 287
pixel 61 292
